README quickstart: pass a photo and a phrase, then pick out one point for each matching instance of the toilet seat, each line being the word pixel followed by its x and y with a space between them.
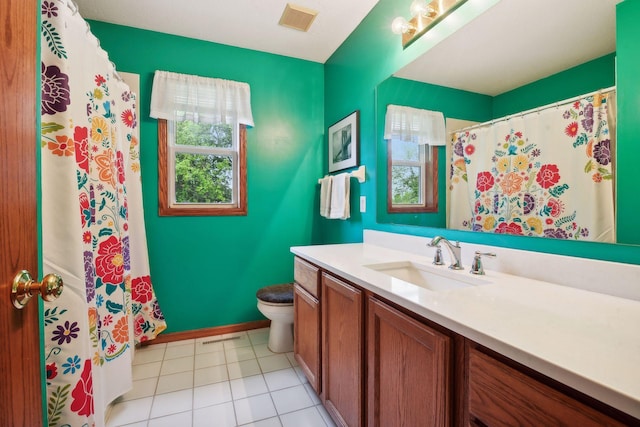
pixel 276 294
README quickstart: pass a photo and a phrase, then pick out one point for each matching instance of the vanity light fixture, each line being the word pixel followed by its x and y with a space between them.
pixel 425 14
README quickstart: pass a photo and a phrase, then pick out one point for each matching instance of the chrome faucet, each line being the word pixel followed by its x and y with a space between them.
pixel 454 250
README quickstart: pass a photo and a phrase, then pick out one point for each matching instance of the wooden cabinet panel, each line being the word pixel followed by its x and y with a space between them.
pixel 342 355
pixel 409 370
pixel 307 276
pixel 502 396
pixel 306 335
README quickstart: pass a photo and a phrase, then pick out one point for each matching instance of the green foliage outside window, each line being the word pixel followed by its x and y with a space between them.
pixel 204 177
pixel 405 185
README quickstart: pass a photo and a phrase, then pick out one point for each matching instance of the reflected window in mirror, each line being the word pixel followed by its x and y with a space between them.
pixel 412 177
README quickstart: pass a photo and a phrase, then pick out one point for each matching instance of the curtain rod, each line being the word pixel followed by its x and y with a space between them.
pixel 534 110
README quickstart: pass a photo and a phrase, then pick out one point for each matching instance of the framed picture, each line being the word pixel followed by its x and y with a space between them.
pixel 344 141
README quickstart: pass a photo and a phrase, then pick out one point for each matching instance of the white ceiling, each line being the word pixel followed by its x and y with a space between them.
pixel 250 24
pixel 517 42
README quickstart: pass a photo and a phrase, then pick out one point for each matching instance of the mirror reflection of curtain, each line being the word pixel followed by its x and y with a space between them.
pixel 92 223
pixel 546 173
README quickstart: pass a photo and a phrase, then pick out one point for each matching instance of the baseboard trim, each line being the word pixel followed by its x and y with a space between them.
pixel 206 332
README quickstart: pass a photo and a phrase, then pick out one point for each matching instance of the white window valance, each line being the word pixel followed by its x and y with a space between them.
pixel 181 97
pixel 414 125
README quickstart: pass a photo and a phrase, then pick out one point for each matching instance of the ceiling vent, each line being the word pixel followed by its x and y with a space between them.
pixel 297 17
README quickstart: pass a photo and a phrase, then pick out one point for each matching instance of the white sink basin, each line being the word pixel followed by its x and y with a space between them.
pixel 428 277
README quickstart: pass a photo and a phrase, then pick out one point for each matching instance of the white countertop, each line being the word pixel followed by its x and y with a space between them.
pixel 587 340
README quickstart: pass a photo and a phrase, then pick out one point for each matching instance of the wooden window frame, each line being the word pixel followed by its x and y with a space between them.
pixel 164 204
pixel 430 169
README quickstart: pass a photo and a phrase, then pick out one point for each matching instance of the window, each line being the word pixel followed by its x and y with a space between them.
pixel 202 144
pixel 202 168
pixel 412 177
pixel 412 136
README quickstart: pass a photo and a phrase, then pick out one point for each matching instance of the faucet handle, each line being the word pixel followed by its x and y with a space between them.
pixel 476 266
pixel 437 257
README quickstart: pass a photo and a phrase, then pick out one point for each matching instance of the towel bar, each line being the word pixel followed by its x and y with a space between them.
pixel 358 173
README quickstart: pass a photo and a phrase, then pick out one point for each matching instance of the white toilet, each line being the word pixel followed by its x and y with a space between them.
pixel 276 304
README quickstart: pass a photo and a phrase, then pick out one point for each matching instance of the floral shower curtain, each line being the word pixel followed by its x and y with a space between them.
pixel 546 173
pixel 92 223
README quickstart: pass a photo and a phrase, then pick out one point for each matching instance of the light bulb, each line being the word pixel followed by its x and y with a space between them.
pixel 423 8
pixel 400 25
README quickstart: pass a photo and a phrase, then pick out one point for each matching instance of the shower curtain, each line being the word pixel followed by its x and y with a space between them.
pixel 92 223
pixel 545 173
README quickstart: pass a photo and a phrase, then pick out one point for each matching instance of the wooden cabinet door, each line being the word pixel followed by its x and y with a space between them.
pixel 502 396
pixel 408 370
pixel 306 334
pixel 342 356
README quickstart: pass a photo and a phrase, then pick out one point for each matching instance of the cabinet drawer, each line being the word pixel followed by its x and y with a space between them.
pixel 306 275
pixel 502 396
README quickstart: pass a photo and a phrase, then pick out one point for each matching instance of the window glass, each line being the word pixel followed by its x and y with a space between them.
pixel 202 168
pixel 412 177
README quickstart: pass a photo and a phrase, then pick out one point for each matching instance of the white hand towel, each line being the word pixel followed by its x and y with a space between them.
pixel 325 196
pixel 340 190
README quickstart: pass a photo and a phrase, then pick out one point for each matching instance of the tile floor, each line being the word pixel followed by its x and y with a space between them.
pixel 225 380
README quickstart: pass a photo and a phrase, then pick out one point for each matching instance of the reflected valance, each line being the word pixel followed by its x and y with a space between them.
pixel 414 125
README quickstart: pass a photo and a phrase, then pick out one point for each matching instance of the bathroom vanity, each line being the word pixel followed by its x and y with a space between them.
pixel 489 350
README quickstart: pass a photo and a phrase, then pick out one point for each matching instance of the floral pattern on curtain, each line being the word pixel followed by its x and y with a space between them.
pixel 90 161
pixel 548 174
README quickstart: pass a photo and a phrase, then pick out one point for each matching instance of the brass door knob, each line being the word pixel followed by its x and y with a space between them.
pixel 24 287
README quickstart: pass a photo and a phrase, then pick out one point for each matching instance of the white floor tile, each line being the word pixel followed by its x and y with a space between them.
pixel 274 363
pixel 148 354
pixel 177 351
pixel 214 358
pixel 248 386
pixel 225 380
pixel 208 345
pixel 175 382
pixel 212 394
pixel 172 403
pixel 261 337
pixel 269 422
pixel 301 375
pixel 210 375
pixel 222 415
pixel 292 359
pixel 309 417
pixel 291 399
pixel 245 368
pixel 239 354
pixel 254 408
pixel 183 419
pixel 284 378
pixel 172 366
pixel 180 343
pixel 325 416
pixel 236 341
pixel 130 411
pixel 141 388
pixel 312 394
pixel 148 370
pixel 262 350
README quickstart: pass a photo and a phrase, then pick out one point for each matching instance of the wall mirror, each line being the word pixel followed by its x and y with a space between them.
pixel 501 63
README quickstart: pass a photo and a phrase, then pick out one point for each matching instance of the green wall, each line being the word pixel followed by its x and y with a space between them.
pixel 206 270
pixel 588 77
pixel 356 68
